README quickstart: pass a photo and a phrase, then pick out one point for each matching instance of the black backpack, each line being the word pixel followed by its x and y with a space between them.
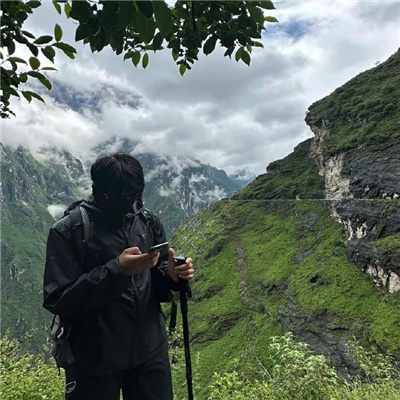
pixel 82 228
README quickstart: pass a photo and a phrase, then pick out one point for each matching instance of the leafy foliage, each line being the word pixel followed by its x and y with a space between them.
pixel 299 374
pixel 24 376
pixel 131 28
pixel 13 16
pixel 295 373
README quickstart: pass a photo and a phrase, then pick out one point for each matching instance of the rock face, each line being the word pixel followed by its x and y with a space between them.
pixel 352 180
pixel 377 176
pixel 356 149
pixel 369 225
pixel 351 164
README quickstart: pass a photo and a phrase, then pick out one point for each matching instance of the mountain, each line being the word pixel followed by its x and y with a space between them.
pixel 37 188
pixel 311 246
pixel 28 191
pixel 176 187
pixel 92 99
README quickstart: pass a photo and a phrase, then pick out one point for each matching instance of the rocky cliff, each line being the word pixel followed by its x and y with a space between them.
pixel 356 149
pixel 317 237
pixel 353 161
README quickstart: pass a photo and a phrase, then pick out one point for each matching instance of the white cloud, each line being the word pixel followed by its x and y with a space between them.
pixel 234 117
pixel 56 210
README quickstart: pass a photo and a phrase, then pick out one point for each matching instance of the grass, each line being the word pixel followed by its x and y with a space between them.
pixel 255 275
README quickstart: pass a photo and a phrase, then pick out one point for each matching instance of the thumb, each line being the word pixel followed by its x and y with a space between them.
pixel 171 255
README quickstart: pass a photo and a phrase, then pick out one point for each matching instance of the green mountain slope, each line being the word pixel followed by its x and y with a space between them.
pixel 28 187
pixel 310 247
pixel 267 267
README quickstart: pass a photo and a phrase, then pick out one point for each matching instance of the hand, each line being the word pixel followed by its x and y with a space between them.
pixel 184 271
pixel 133 262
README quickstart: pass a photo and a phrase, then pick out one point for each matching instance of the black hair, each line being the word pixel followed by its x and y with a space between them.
pixel 113 174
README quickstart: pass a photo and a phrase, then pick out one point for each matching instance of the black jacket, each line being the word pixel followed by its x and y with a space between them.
pixel 116 320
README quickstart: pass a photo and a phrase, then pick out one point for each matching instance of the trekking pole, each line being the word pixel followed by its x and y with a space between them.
pixel 184 294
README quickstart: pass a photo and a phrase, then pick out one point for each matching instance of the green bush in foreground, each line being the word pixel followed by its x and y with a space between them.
pixel 25 377
pixel 298 374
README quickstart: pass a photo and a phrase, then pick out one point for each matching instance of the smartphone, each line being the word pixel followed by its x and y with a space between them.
pixel 157 247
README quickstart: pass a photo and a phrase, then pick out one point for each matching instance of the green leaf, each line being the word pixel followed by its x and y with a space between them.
pixel 17 60
pixel 42 79
pixel 126 14
pixel 209 45
pixel 175 56
pixel 245 56
pixel 108 16
pixel 29 34
pixel 66 48
pixel 67 9
pixel 163 17
pixel 182 69
pixel 34 50
pixel 267 5
pixel 43 39
pixel 11 47
pixel 11 91
pixel 49 53
pixel 129 55
pixel 23 77
pixel 33 4
pixel 69 54
pixel 58 32
pixel 145 60
pixel 146 7
pixel 257 44
pixel 48 69
pixel 257 14
pixel 80 11
pixel 238 54
pixel 157 41
pixel 145 26
pixel 36 96
pixel 136 58
pixel 82 32
pixel 29 95
pixel 271 19
pixel 57 7
pixel 229 51
pixel 34 63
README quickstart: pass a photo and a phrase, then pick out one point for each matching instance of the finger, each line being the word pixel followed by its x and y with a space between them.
pixel 133 251
pixel 186 275
pixel 184 267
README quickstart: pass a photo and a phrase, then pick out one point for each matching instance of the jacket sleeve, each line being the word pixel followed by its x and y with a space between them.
pixel 68 291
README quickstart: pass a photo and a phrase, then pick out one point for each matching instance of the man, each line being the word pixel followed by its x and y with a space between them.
pixel 110 295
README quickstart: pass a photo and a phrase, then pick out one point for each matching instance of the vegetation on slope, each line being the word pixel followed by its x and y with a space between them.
pixel 295 176
pixel 362 113
pixel 265 267
pixel 296 374
pixel 24 228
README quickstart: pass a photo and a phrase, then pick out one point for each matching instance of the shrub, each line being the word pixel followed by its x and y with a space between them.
pixel 25 377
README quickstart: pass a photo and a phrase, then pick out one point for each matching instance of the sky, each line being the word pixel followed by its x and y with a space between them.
pixel 223 113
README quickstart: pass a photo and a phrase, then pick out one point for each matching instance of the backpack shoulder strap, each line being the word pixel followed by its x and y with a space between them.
pixel 150 219
pixel 81 228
